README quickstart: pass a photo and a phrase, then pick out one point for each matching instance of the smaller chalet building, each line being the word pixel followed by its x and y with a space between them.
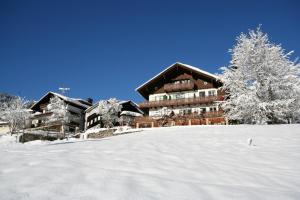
pixel 181 95
pixel 75 107
pixel 129 112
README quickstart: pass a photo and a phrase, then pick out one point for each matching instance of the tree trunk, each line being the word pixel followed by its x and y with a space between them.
pixel 23 135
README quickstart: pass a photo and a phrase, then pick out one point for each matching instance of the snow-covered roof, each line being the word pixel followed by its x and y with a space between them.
pixel 75 101
pixel 134 104
pixel 3 122
pixel 130 113
pixel 181 64
pixel 120 101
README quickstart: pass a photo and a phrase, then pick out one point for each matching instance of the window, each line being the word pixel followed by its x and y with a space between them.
pixel 179 96
pixel 159 98
pixel 212 93
pixel 201 94
pixel 212 109
pixel 182 81
pixel 185 111
pixel 202 110
pixel 188 111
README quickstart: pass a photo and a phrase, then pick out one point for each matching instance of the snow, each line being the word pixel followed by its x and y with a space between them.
pixel 130 113
pixel 196 162
pixel 125 130
pixel 73 100
pixel 121 102
pixel 264 83
pixel 68 99
pixel 95 130
pixel 7 140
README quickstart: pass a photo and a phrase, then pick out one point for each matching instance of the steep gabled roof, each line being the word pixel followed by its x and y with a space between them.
pixel 74 101
pixel 195 69
pixel 133 104
pixel 174 65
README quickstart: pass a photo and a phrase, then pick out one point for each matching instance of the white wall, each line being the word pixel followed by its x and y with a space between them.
pixel 95 110
pixel 4 129
pixel 158 112
pixel 185 94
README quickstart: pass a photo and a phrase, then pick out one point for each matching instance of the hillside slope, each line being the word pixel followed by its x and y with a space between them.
pixel 198 162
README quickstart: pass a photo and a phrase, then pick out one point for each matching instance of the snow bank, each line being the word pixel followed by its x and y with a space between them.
pixel 197 162
pixel 125 130
pixel 7 139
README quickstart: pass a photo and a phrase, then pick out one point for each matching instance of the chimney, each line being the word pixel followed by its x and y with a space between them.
pixel 90 100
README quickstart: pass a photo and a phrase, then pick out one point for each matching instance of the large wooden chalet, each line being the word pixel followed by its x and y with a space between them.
pixel 181 95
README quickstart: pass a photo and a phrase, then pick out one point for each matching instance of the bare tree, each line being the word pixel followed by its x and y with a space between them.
pixel 109 111
pixel 15 112
pixel 60 113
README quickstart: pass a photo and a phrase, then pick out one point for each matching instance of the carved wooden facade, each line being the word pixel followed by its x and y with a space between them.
pixel 185 92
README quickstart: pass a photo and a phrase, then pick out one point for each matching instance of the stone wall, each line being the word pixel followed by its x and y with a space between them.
pixel 102 134
pixel 27 137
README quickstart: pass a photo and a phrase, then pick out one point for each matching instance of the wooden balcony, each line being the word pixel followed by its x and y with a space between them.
pixel 215 117
pixel 171 87
pixel 213 114
pixel 181 102
pixel 41 115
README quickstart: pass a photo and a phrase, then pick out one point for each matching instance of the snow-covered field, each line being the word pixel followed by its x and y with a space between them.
pixel 207 162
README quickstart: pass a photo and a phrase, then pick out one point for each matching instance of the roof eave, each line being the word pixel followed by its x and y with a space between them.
pixel 176 63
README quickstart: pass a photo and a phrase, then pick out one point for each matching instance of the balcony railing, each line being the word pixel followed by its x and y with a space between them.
pixel 181 102
pixel 212 114
pixel 171 87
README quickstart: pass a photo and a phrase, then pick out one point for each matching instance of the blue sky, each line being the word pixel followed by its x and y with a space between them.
pixel 103 49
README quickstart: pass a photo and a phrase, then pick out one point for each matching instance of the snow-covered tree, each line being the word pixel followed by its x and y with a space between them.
pixel 109 111
pixel 14 111
pixel 4 98
pixel 261 82
pixel 60 113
